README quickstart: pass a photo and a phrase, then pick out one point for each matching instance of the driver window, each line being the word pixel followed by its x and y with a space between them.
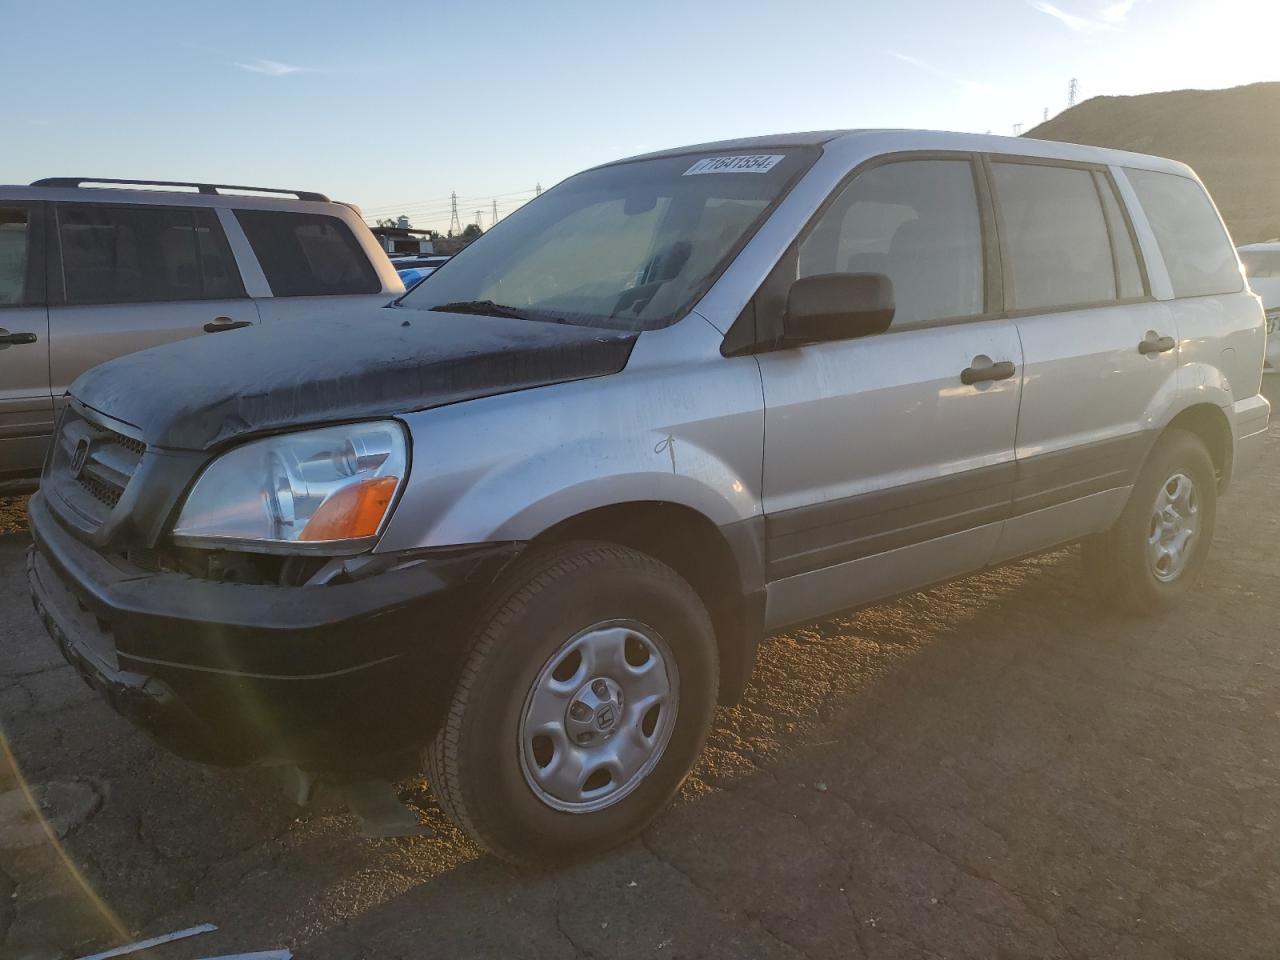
pixel 918 223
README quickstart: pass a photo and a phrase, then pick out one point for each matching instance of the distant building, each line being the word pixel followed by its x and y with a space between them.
pixel 404 239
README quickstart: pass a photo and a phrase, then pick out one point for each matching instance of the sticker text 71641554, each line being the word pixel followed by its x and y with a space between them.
pixel 759 163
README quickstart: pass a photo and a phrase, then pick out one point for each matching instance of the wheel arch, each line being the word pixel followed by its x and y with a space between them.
pixel 1208 422
pixel 724 565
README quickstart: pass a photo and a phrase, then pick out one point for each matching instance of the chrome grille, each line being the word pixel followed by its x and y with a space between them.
pixel 93 464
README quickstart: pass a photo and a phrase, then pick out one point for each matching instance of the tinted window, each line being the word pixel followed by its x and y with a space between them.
pixel 308 254
pixel 1057 250
pixel 1261 263
pixel 117 254
pixel 15 242
pixel 1128 273
pixel 1193 242
pixel 918 223
pixel 628 246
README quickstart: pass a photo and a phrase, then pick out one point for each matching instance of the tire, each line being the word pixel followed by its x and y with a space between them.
pixel 515 791
pixel 1120 563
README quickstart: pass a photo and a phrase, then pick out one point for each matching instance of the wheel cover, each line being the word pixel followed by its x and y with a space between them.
pixel 1175 523
pixel 599 716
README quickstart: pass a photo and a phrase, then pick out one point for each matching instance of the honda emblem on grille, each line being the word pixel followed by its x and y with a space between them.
pixel 80 457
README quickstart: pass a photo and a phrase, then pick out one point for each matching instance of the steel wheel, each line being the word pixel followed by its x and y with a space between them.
pixel 1175 521
pixel 599 716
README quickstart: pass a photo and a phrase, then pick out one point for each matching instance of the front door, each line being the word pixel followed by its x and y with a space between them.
pixel 889 459
pixel 135 276
pixel 26 409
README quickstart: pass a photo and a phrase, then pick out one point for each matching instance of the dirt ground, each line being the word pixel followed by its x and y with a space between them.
pixel 997 768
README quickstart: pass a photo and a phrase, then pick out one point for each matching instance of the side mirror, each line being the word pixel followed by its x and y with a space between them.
pixel 838 306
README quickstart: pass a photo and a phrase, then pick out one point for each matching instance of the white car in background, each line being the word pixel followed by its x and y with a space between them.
pixel 1262 267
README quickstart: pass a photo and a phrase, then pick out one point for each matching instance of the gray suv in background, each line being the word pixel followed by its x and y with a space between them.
pixel 89 274
pixel 538 516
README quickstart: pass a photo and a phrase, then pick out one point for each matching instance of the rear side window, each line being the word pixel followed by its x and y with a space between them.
pixel 915 221
pixel 120 254
pixel 307 254
pixel 1261 264
pixel 1196 249
pixel 1058 252
pixel 15 256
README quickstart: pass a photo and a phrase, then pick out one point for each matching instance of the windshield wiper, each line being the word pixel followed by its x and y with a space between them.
pixel 482 307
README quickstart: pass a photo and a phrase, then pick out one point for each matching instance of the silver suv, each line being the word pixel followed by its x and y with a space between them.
pixel 538 515
pixel 90 274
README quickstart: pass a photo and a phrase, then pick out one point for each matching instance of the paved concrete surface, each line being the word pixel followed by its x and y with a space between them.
pixel 996 768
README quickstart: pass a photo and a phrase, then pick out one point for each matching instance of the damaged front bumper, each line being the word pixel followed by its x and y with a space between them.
pixel 321 676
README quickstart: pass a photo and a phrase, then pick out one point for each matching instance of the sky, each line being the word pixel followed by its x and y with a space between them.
pixel 395 106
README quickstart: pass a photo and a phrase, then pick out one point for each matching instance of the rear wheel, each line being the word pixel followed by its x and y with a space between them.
pixel 583 703
pixel 1157 549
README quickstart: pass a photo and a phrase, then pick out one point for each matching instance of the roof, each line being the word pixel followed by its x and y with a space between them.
pixel 878 141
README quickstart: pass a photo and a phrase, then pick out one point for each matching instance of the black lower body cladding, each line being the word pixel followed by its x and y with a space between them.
pixel 230 673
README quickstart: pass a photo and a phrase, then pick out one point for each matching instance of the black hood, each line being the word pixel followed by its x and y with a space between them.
pixel 198 393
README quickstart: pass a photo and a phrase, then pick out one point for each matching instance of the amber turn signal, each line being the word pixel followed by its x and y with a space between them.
pixel 353 512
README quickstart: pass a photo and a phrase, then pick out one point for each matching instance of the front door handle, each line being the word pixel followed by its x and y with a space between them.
pixel 1154 343
pixel 16 339
pixel 218 324
pixel 988 371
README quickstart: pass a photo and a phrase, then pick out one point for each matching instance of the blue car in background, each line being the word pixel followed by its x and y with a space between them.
pixel 415 268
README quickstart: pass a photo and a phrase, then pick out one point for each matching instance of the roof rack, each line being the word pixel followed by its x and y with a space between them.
pixel 206 188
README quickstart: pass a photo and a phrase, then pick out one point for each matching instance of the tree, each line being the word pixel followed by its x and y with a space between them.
pixel 388 222
pixel 471 231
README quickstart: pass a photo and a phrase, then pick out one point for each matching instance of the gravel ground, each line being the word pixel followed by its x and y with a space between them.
pixel 996 768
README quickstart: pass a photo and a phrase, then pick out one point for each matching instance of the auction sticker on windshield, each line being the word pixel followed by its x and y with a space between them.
pixel 760 163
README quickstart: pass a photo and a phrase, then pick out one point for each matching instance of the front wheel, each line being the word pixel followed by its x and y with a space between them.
pixel 1155 552
pixel 583 702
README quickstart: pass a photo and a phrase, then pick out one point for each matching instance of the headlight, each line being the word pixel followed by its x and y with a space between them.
pixel 318 491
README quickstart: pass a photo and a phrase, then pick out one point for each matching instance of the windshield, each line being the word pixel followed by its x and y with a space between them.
pixel 1261 263
pixel 630 246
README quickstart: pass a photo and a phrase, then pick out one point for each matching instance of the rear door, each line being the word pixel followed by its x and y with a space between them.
pixel 129 277
pixel 312 263
pixel 886 465
pixel 1100 353
pixel 26 409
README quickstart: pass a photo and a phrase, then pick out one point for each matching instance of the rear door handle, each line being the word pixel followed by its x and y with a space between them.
pixel 16 339
pixel 993 371
pixel 1154 343
pixel 218 324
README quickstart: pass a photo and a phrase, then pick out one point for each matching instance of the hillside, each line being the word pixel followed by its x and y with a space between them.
pixel 1230 137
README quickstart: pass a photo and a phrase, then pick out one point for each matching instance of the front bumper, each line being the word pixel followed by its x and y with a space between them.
pixel 234 673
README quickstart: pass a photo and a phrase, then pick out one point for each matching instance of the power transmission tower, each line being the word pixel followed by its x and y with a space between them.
pixel 495 214
pixel 455 225
pixel 1017 129
pixel 537 190
pixel 1046 114
pixel 1073 92
pixel 478 223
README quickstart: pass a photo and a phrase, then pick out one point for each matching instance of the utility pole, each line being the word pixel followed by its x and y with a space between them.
pixel 1073 92
pixel 495 214
pixel 455 225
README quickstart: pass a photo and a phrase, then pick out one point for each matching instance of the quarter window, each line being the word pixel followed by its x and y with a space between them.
pixel 1196 249
pixel 15 256
pixel 1057 249
pixel 1261 264
pixel 915 221
pixel 120 254
pixel 308 255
